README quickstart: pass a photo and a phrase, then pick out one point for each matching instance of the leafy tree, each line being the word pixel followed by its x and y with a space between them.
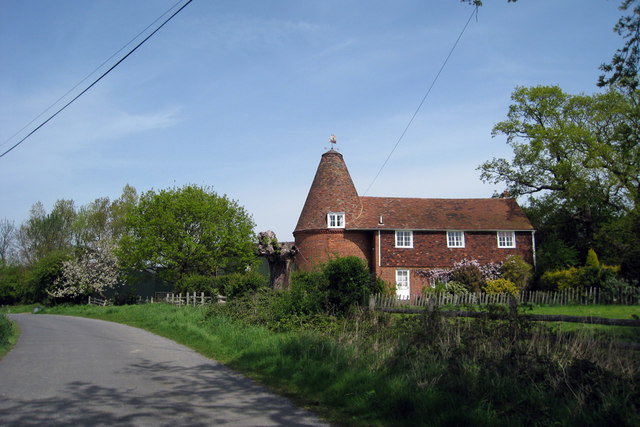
pixel 578 159
pixel 623 68
pixel 44 233
pixel 102 219
pixel 187 231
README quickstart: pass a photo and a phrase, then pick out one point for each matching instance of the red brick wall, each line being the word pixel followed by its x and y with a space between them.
pixel 430 249
pixel 321 245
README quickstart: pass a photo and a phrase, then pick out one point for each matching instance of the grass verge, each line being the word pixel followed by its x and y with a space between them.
pixel 375 369
pixel 9 333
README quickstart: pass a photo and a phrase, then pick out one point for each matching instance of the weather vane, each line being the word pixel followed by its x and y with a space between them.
pixel 333 141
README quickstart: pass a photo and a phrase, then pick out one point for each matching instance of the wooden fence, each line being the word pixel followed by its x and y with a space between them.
pixel 188 298
pixel 429 303
pixel 568 296
pixel 98 301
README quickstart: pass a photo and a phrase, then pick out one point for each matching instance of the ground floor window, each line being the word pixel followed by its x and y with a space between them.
pixel 403 288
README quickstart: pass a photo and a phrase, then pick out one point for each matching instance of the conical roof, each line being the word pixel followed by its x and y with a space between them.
pixel 332 190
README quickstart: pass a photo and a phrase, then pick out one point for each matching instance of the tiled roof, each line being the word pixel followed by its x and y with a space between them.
pixel 332 190
pixel 439 214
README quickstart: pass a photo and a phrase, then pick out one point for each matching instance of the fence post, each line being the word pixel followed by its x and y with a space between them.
pixel 431 305
pixel 89 303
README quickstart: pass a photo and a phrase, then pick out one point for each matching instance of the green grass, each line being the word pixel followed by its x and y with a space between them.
pixel 9 333
pixel 622 333
pixel 19 308
pixel 609 311
pixel 412 370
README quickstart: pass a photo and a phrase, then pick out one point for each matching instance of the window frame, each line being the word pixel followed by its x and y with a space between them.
pixel 507 235
pixel 339 217
pixel 402 232
pixel 462 240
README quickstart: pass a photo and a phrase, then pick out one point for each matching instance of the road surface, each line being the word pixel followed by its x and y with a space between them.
pixel 86 372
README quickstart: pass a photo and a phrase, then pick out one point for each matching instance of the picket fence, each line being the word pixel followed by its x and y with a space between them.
pixel 188 298
pixel 565 297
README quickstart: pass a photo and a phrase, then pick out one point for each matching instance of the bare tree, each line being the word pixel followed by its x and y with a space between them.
pixel 7 239
pixel 280 257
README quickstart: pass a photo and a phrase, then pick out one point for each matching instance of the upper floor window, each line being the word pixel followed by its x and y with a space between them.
pixel 335 219
pixel 455 239
pixel 506 239
pixel 404 239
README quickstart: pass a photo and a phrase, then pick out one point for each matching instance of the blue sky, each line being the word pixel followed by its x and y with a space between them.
pixel 242 96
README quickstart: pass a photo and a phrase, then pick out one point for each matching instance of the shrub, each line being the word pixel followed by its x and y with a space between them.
pixel 12 278
pixel 42 277
pixel 127 298
pixel 452 287
pixel 568 278
pixel 614 288
pixel 348 283
pixel 501 286
pixel 196 283
pixel 237 284
pixel 516 270
pixel 469 274
pixel 592 259
pixel 6 329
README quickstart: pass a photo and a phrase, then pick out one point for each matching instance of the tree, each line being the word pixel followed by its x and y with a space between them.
pixel 93 271
pixel 44 233
pixel 102 219
pixel 280 257
pixel 623 68
pixel 577 157
pixel 187 231
pixel 7 239
pixel 577 148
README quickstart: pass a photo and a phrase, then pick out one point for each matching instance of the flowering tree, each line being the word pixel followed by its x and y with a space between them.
pixel 95 270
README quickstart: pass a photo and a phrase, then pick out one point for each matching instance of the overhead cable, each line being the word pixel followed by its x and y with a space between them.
pixel 98 79
pixel 475 11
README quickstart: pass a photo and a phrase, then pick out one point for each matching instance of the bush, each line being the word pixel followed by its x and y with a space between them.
pixel 127 298
pixel 516 270
pixel 452 287
pixel 12 282
pixel 568 278
pixel 469 274
pixel 238 284
pixel 501 286
pixel 614 288
pixel 42 277
pixel 348 283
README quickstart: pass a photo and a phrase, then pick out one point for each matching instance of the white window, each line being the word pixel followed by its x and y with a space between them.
pixel 402 284
pixel 506 239
pixel 335 219
pixel 455 239
pixel 404 239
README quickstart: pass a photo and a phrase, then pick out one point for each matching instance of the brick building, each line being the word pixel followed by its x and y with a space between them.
pixel 399 236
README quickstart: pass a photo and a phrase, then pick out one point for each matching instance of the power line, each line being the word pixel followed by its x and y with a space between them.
pixel 89 75
pixel 475 11
pixel 98 79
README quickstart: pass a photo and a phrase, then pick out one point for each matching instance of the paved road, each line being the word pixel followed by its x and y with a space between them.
pixel 75 371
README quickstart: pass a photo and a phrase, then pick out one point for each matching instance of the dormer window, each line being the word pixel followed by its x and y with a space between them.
pixel 335 219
